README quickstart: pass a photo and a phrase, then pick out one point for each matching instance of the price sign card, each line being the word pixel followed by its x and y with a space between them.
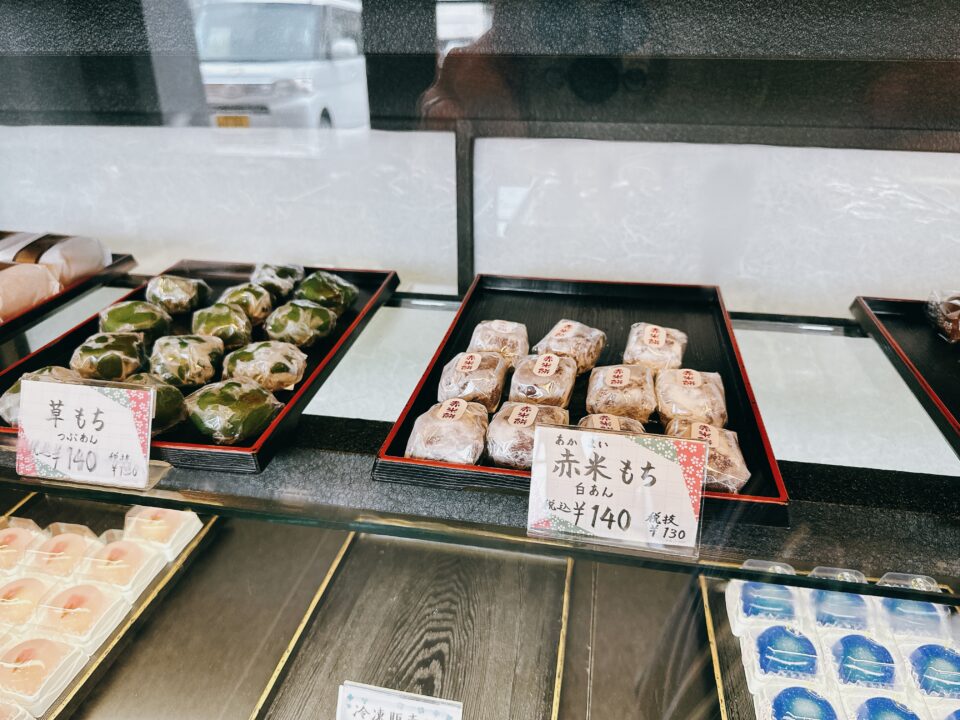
pixel 365 702
pixel 617 488
pixel 97 434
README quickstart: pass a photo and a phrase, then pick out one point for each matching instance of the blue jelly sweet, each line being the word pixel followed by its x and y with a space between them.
pixel 767 600
pixel 912 616
pixel 882 708
pixel 837 609
pixel 797 703
pixel 861 661
pixel 937 669
pixel 953 716
pixel 785 651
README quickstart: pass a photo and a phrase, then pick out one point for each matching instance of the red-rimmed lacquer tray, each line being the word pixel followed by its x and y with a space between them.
pixel 928 363
pixel 119 265
pixel 183 446
pixel 613 308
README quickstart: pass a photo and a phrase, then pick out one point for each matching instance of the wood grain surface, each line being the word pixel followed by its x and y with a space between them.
pixel 210 648
pixel 636 647
pixel 481 627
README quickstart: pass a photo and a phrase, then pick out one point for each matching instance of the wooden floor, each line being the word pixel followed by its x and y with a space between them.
pixel 481 627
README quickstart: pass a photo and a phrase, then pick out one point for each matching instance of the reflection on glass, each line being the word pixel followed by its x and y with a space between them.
pixel 283 64
pixel 459 23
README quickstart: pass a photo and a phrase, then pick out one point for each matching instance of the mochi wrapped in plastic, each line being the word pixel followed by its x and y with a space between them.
pixel 327 289
pixel 177 295
pixel 691 395
pixel 168 404
pixel 254 300
pixel 544 380
pixel 476 377
pixel 186 360
pixel 10 400
pixel 280 280
pixel 622 390
pixel 452 431
pixel 510 435
pixel 150 320
pixel 301 322
pixel 575 340
pixel 943 310
pixel 109 356
pixel 655 347
pixel 274 365
pixel 232 411
pixel 501 336
pixel 227 322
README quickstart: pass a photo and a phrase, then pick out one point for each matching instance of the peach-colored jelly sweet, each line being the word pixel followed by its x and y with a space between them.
pixel 25 667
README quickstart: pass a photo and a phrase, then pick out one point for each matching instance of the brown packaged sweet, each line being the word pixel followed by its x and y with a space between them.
pixel 616 423
pixel 575 340
pixel 476 377
pixel 544 380
pixel 501 336
pixel 510 435
pixel 622 390
pixel 655 347
pixel 943 310
pixel 691 395
pixel 726 469
pixel 453 431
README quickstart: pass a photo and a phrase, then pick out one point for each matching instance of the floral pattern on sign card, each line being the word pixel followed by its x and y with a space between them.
pixel 84 432
pixel 617 488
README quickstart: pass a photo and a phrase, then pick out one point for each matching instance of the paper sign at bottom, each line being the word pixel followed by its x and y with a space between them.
pixel 366 702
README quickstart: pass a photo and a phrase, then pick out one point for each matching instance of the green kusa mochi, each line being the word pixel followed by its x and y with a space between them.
pixel 274 365
pixel 152 321
pixel 300 322
pixel 280 280
pixel 10 400
pixel 177 295
pixel 109 356
pixel 227 322
pixel 169 408
pixel 232 411
pixel 186 360
pixel 329 290
pixel 254 300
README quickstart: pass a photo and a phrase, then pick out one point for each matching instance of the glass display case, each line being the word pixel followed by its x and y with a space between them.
pixel 775 180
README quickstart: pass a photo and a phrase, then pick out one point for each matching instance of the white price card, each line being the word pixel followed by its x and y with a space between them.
pixel 93 433
pixel 617 488
pixel 365 702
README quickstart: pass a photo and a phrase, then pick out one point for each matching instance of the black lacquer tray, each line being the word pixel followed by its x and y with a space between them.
pixel 183 446
pixel 120 265
pixel 613 308
pixel 926 361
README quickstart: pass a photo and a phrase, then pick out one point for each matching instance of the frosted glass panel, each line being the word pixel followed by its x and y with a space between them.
pixel 353 198
pixel 780 229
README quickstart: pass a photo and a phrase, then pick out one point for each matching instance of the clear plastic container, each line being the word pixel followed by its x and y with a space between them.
pixel 883 706
pixel 933 667
pixel 858 660
pixel 167 531
pixel 83 615
pixel 781 653
pixel 126 566
pixel 20 598
pixel 12 711
pixel 34 671
pixel 797 702
pixel 16 537
pixel 831 610
pixel 61 554
pixel 751 604
pixel 943 708
pixel 912 618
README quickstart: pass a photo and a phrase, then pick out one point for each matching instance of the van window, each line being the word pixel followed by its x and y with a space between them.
pixel 256 32
pixel 344 24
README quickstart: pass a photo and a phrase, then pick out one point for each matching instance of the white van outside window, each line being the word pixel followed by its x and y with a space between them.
pixel 283 64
